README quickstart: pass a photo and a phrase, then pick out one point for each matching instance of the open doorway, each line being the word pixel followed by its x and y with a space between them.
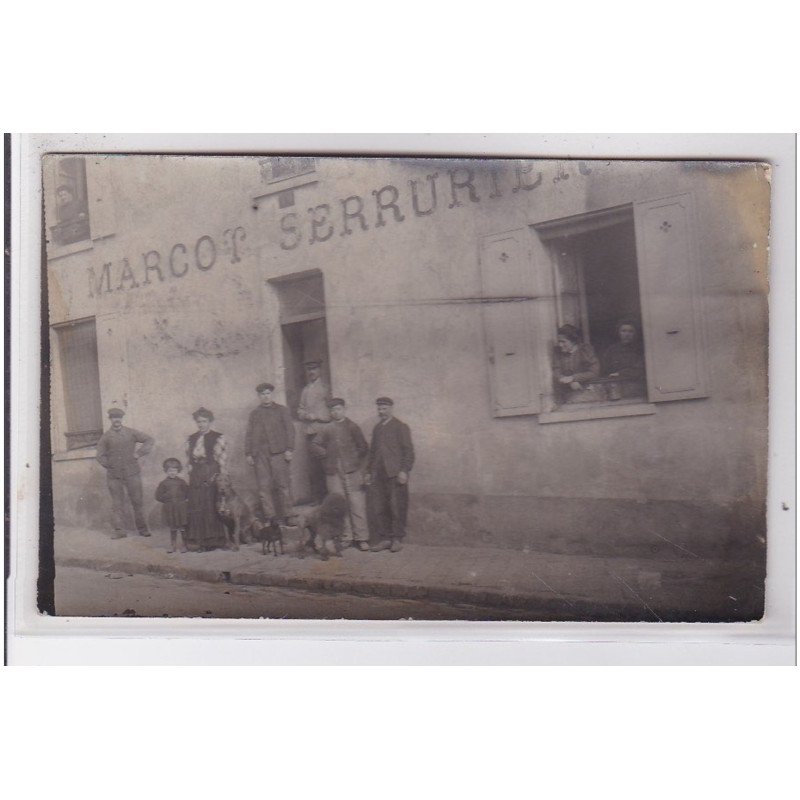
pixel 304 337
pixel 303 341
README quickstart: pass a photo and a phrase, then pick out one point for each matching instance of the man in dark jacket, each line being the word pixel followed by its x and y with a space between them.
pixel 391 456
pixel 116 451
pixel 341 448
pixel 269 446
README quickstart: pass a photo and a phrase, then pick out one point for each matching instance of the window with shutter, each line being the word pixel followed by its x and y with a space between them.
pixel 80 202
pixel 615 327
pixel 77 342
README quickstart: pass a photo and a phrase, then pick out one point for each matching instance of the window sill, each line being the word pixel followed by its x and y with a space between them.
pixel 59 251
pixel 597 412
pixel 76 455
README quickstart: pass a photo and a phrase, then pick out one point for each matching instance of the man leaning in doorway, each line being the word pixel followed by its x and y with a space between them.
pixel 117 452
pixel 391 456
pixel 313 411
pixel 341 447
pixel 268 447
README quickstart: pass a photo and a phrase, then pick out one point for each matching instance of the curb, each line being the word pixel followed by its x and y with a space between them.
pixel 551 609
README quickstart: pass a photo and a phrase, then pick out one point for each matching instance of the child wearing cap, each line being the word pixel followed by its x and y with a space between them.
pixel 173 493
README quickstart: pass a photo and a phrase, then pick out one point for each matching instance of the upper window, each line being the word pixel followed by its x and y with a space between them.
pixel 79 202
pixel 77 345
pixel 595 315
pixel 70 202
pixel 283 175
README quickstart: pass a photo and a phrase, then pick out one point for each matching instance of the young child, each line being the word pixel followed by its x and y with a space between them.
pixel 173 493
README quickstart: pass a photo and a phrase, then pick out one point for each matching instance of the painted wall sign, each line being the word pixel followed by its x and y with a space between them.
pixel 156 266
pixel 455 188
pixel 383 206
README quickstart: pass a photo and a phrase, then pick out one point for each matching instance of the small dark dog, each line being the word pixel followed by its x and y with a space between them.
pixel 325 522
pixel 270 535
pixel 235 513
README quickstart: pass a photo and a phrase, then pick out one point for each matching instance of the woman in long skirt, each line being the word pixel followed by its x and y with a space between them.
pixel 206 456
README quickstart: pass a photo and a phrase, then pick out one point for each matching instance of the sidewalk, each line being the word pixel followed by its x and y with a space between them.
pixel 558 587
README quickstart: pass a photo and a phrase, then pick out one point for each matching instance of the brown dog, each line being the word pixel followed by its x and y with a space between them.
pixel 325 523
pixel 235 513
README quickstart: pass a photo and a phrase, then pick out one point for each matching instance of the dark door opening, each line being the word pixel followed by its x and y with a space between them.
pixel 304 335
pixel 303 341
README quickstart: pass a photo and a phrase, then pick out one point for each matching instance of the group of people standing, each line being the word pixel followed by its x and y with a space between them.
pixel 339 458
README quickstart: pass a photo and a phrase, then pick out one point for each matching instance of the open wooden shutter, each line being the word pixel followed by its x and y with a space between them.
pixel 507 295
pixel 100 192
pixel 671 302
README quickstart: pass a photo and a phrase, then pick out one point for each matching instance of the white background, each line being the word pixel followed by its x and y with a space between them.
pixel 394 732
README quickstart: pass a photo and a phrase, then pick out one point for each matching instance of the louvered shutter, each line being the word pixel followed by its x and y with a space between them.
pixel 671 301
pixel 507 304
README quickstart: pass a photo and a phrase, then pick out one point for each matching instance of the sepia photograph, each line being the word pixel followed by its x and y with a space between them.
pixel 405 388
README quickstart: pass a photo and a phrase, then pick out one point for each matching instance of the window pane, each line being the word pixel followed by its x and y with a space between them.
pixel 81 377
pixel 71 203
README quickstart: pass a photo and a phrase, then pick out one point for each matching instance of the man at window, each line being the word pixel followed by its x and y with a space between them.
pixel 67 208
pixel 71 216
pixel 575 366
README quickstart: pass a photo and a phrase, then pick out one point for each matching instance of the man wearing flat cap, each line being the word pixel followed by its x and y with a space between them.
pixel 341 448
pixel 117 452
pixel 313 411
pixel 391 456
pixel 268 447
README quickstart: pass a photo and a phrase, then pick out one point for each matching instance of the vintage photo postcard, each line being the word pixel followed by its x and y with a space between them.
pixel 316 387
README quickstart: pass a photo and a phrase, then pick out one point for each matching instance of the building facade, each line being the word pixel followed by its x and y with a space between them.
pixel 175 282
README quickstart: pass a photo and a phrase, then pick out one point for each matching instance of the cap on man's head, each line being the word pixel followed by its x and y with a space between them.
pixel 335 401
pixel 384 401
pixel 263 387
pixel 115 412
pixel 312 363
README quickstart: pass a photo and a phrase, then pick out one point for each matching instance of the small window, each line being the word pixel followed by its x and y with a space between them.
pixel 283 175
pixel 71 202
pixel 77 345
pixel 278 168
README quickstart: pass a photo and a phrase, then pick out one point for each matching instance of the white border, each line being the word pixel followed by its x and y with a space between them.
pixel 35 640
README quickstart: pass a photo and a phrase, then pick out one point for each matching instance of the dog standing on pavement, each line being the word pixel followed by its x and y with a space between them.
pixel 269 534
pixel 326 524
pixel 236 515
